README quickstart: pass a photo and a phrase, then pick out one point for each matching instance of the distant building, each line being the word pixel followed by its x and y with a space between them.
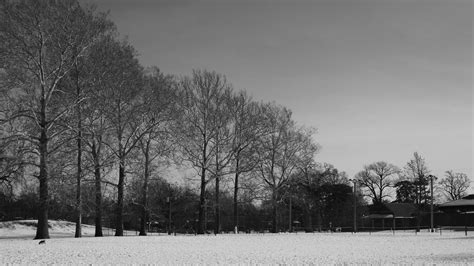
pixel 463 205
pixel 386 216
pixel 458 212
pixel 391 216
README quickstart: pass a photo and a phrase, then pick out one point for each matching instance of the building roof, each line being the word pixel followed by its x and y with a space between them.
pixel 465 204
pixel 459 202
pixel 392 210
pixel 402 210
pixel 378 216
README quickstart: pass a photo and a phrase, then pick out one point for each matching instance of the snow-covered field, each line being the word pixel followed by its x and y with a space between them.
pixel 301 248
pixel 26 229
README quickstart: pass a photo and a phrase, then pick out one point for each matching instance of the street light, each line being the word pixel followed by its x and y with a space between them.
pixel 431 205
pixel 354 181
pixel 168 200
pixel 290 227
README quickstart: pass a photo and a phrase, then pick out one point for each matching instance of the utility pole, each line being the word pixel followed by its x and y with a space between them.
pixel 431 205
pixel 354 181
pixel 290 225
pixel 355 207
pixel 168 200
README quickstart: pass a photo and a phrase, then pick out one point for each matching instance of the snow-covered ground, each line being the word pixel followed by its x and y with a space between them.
pixel 26 229
pixel 301 248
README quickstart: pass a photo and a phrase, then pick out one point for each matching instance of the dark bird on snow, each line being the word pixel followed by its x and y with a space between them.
pixel 42 242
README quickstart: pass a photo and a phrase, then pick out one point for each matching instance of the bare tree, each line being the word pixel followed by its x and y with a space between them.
pixel 95 133
pixel 417 171
pixel 281 153
pixel 159 101
pixel 247 127
pixel 455 185
pixel 196 130
pixel 114 107
pixel 221 141
pixel 40 43
pixel 123 109
pixel 377 177
pixel 79 88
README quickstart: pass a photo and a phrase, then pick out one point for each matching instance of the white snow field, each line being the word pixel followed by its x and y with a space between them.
pixel 27 229
pixel 311 248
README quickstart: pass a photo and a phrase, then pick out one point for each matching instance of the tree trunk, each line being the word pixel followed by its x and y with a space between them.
pixel 418 193
pixel 236 190
pixel 79 173
pixel 145 190
pixel 78 187
pixel 202 202
pixel 217 209
pixel 217 219
pixel 98 197
pixel 380 189
pixel 98 189
pixel 42 231
pixel 120 190
pixel 202 196
pixel 275 213
pixel 319 217
pixel 308 220
pixel 79 156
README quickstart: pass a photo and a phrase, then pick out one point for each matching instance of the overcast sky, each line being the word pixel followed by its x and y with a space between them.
pixel 379 79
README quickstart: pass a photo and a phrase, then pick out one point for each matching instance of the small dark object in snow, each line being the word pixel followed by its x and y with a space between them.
pixel 42 242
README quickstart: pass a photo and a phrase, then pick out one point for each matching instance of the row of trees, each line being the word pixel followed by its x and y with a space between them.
pixel 77 105
pixel 312 205
pixel 412 184
pixel 81 115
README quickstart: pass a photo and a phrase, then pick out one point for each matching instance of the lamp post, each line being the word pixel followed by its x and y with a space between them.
pixel 354 181
pixel 290 227
pixel 431 205
pixel 168 200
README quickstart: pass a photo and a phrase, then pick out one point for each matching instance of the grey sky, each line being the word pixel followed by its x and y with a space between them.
pixel 378 79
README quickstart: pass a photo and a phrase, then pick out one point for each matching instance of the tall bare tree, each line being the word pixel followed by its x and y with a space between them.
pixel 377 177
pixel 40 42
pixel 222 140
pixel 123 109
pixel 159 102
pixel 88 80
pixel 281 153
pixel 79 89
pixel 247 127
pixel 417 171
pixel 455 185
pixel 196 130
pixel 95 133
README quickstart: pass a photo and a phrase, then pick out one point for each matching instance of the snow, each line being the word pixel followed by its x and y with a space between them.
pixel 311 248
pixel 26 229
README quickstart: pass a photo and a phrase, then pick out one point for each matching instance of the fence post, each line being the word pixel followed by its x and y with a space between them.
pixel 465 223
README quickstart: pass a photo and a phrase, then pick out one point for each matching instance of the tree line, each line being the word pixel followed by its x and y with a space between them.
pixel 81 115
pixel 414 183
pixel 75 99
